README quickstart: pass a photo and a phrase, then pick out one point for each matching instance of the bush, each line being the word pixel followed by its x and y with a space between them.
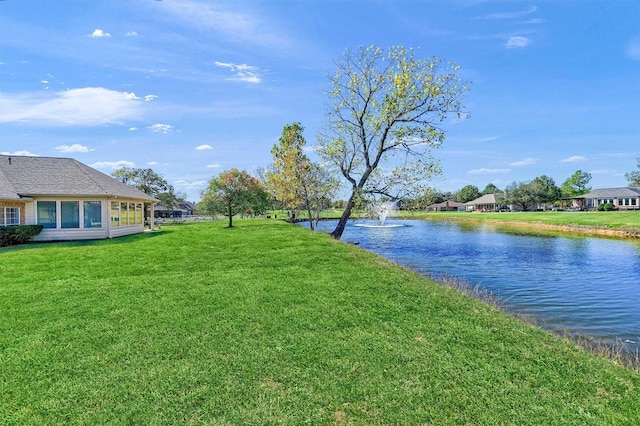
pixel 14 235
pixel 606 207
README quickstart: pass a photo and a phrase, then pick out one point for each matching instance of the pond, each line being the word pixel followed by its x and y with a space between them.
pixel 575 284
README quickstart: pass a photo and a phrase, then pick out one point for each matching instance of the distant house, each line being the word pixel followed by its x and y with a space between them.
pixel 180 211
pixel 446 206
pixel 486 203
pixel 623 198
pixel 71 200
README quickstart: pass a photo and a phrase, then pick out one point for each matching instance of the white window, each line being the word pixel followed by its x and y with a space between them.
pixel 10 216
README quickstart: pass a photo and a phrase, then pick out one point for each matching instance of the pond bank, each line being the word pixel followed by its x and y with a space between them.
pixel 601 231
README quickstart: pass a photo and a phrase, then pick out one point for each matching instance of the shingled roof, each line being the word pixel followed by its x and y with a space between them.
pixel 621 192
pixel 22 177
pixel 485 199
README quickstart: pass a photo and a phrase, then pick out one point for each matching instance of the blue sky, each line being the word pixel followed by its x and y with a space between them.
pixel 190 88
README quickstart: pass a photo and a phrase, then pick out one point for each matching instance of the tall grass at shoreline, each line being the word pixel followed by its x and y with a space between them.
pixel 269 323
pixel 618 352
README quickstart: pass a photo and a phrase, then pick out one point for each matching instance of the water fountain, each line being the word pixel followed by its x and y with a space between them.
pixel 381 211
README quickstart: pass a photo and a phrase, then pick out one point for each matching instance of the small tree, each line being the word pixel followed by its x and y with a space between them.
pixel 467 193
pixel 149 182
pixel 634 177
pixel 233 192
pixel 384 117
pixel 295 180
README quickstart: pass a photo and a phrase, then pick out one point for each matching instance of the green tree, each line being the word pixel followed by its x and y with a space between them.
pixel 576 184
pixel 149 182
pixel 467 193
pixel 634 177
pixel 295 180
pixel 490 189
pixel 521 194
pixel 386 107
pixel 233 192
pixel 546 190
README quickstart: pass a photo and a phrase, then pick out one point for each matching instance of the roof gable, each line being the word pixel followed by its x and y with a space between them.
pixel 485 199
pixel 48 176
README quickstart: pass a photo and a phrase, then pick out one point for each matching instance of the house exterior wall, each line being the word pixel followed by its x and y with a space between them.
pixel 624 203
pixel 105 230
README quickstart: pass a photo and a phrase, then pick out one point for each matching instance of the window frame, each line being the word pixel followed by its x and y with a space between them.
pixel 6 216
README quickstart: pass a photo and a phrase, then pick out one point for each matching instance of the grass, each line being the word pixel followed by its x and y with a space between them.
pixel 612 220
pixel 268 323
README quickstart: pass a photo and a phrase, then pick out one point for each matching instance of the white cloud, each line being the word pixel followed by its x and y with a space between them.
pixel 535 21
pixel 525 162
pixel 99 33
pixel 160 128
pixel 88 106
pixel 213 166
pixel 604 172
pixel 112 165
pixel 245 26
pixel 133 129
pixel 202 147
pixel 574 159
pixel 243 72
pixel 74 148
pixel 487 139
pixel 149 98
pixel 484 171
pixel 633 49
pixel 152 163
pixel 518 41
pixel 487 171
pixel 131 34
pixel 181 183
pixel 23 152
pixel 509 15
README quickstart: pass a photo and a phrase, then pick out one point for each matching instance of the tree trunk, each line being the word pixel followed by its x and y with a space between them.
pixel 230 216
pixel 342 223
pixel 311 223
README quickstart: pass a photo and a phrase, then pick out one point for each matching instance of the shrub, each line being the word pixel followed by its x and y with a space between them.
pixel 14 235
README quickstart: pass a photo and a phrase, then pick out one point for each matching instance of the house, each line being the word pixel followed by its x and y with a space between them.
pixel 446 206
pixel 486 203
pixel 182 210
pixel 71 200
pixel 623 198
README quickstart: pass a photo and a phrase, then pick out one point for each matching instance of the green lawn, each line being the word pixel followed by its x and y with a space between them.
pixel 268 323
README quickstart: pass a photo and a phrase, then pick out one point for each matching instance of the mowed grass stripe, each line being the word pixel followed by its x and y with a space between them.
pixel 268 323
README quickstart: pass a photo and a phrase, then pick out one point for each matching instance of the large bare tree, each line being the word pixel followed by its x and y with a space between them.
pixel 386 108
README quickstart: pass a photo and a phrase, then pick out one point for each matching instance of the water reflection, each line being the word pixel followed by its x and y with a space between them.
pixel 588 286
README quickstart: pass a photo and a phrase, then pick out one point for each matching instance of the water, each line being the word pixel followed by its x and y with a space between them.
pixel 581 285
